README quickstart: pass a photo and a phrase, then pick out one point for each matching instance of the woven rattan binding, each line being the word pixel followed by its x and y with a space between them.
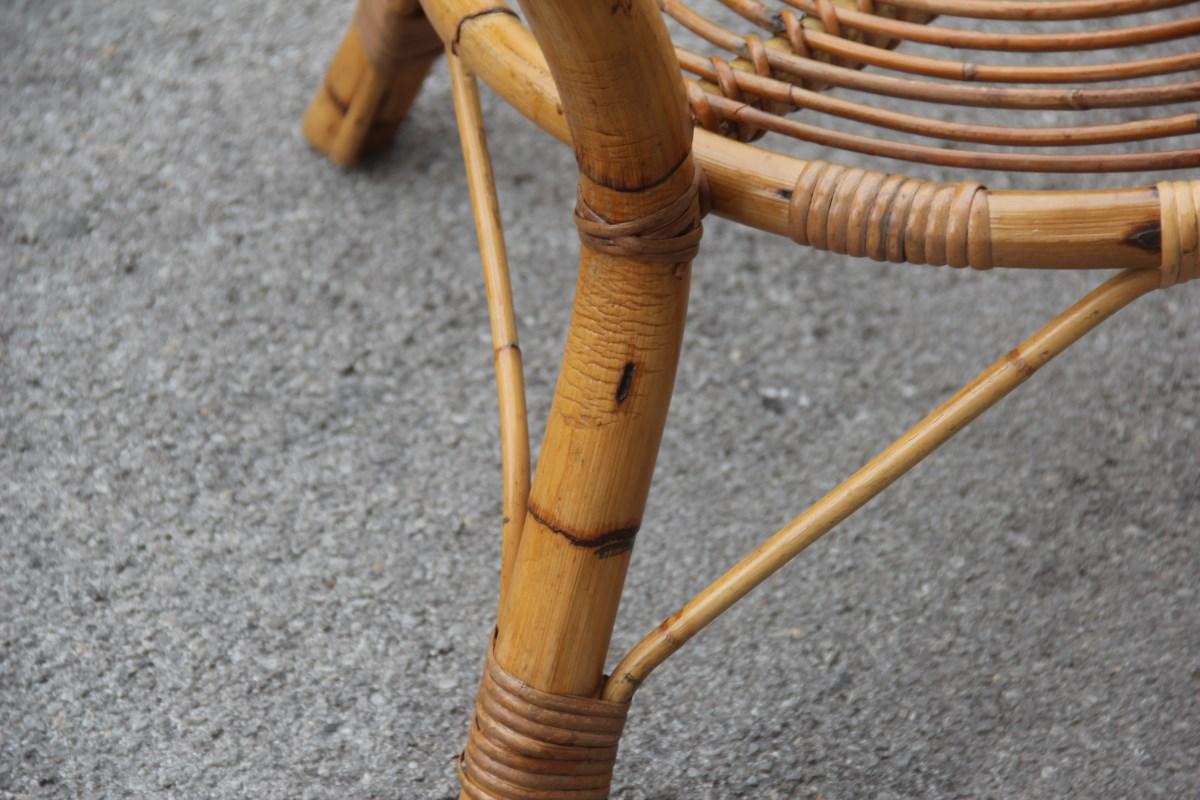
pixel 670 235
pixel 525 742
pixel 885 217
pixel 1180 231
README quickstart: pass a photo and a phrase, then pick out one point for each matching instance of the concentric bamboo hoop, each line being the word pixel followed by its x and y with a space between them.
pixel 1090 229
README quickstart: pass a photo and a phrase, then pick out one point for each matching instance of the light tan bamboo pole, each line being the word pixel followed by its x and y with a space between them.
pixel 1097 229
pixel 361 102
pixel 537 733
pixel 624 103
pixel 510 380
pixel 922 439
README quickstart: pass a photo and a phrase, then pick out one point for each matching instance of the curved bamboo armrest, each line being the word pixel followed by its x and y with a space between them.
pixel 1090 229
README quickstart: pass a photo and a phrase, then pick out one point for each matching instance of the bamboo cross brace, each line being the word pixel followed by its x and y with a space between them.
pixel 967 404
pixel 510 380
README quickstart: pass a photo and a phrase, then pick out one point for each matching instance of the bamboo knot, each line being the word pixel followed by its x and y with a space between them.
pixel 526 743
pixel 670 235
pixel 1180 204
pixel 393 32
pixel 890 217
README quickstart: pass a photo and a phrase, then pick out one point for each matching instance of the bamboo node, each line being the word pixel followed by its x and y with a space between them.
pixel 392 35
pixel 886 217
pixel 528 743
pixel 1180 231
pixel 670 235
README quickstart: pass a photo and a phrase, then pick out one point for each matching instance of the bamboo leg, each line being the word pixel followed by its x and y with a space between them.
pixel 373 80
pixel 622 347
pixel 510 381
pixel 624 103
pixel 906 452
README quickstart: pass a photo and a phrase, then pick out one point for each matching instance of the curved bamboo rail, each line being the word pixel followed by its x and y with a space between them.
pixel 1036 9
pixel 963 94
pixel 795 96
pixel 1093 229
pixel 893 29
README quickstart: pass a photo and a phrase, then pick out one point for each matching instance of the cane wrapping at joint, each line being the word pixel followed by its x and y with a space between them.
pixel 670 235
pixel 886 217
pixel 1180 203
pixel 393 32
pixel 526 743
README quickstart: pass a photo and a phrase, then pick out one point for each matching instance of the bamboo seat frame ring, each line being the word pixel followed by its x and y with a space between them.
pixel 663 136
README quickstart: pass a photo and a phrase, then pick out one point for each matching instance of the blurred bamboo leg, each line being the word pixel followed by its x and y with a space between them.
pixel 967 404
pixel 510 380
pixel 373 80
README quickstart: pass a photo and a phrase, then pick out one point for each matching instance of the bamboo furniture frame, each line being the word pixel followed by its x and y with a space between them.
pixel 548 721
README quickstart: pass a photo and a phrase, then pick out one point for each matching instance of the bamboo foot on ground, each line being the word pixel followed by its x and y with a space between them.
pixel 373 80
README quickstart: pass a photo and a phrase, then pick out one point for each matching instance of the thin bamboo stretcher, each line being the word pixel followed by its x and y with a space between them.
pixel 662 134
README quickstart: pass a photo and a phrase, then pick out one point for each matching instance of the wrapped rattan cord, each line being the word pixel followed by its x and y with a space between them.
pixel 885 217
pixel 670 235
pixel 391 34
pixel 526 743
pixel 1180 231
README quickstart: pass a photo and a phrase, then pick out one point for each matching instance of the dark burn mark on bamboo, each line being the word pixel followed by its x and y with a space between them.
pixel 786 194
pixel 614 548
pixel 1147 236
pixel 665 628
pixel 605 545
pixel 476 15
pixel 1020 364
pixel 626 382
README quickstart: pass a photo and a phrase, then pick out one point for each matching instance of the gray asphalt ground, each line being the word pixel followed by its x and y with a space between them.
pixel 249 479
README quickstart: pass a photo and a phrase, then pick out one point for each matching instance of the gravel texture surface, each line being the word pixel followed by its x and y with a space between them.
pixel 249 479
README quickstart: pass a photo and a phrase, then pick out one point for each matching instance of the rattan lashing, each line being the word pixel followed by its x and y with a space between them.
pixel 524 742
pixel 669 235
pixel 547 721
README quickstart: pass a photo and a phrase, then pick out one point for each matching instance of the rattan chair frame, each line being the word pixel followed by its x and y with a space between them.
pixel 548 721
